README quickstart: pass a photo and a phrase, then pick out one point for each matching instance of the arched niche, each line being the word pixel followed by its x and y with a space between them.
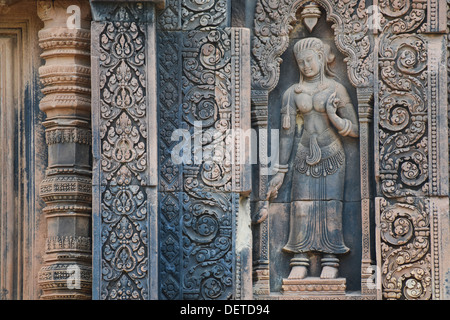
pixel 345 26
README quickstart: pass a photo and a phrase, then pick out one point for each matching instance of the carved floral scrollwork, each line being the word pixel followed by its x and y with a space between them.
pixel 123 136
pixel 394 8
pixel 203 13
pixel 207 206
pixel 123 145
pixel 207 246
pixel 207 102
pixel 405 231
pixel 404 152
pixel 170 210
pixel 197 228
pixel 194 14
pixel 401 16
pixel 403 116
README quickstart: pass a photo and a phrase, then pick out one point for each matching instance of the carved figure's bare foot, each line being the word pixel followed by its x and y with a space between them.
pixel 329 272
pixel 298 272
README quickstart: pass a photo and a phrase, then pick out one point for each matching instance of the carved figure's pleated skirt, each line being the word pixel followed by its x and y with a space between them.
pixel 316 207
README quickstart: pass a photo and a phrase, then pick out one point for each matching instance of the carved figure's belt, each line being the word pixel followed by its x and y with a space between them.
pixel 319 155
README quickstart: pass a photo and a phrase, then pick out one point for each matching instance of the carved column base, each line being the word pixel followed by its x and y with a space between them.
pixel 261 284
pixel 314 286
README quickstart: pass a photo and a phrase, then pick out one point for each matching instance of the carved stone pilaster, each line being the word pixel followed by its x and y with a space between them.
pixel 411 152
pixel 125 150
pixel 204 98
pixel 259 112
pixel 365 112
pixel 66 189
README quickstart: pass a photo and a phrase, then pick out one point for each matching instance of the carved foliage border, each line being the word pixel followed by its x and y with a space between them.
pixel 407 150
pixel 197 204
pixel 405 249
pixel 123 141
pixel 402 130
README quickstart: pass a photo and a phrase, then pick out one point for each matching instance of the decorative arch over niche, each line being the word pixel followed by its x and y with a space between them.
pixel 273 22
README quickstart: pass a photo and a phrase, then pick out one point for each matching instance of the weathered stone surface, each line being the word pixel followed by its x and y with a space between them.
pixel 204 101
pixel 410 162
pixel 408 153
pixel 67 187
pixel 273 85
pixel 314 286
pixel 124 123
pixel 180 184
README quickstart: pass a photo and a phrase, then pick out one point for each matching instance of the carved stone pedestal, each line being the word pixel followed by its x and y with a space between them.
pixel 314 286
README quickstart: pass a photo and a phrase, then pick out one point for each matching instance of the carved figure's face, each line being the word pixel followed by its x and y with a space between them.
pixel 309 63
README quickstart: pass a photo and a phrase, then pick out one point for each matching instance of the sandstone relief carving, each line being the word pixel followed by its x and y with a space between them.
pixel 274 25
pixel 327 114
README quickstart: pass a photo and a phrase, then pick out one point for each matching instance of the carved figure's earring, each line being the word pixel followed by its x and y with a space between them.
pixel 286 123
pixel 322 85
pixel 298 87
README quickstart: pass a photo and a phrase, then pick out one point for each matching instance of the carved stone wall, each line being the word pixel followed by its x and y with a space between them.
pixel 203 91
pixel 124 123
pixel 163 229
pixel 393 53
pixel 411 151
pixel 273 24
pixel 155 192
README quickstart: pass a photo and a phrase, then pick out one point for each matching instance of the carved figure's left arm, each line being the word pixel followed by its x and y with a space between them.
pixel 342 114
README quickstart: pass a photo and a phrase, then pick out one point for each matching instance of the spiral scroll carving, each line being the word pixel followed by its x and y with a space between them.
pixel 405 231
pixel 404 151
pixel 198 205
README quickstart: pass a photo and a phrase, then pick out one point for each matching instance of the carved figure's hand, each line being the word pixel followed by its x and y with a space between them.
pixel 275 185
pixel 332 104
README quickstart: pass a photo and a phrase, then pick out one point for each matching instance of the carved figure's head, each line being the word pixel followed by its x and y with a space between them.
pixel 313 57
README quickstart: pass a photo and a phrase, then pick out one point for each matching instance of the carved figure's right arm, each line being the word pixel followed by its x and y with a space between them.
pixel 287 132
pixel 288 123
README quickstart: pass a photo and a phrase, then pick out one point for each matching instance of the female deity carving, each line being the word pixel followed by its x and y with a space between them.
pixel 319 167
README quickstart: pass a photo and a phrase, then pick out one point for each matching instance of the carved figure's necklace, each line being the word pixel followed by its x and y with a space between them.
pixel 316 79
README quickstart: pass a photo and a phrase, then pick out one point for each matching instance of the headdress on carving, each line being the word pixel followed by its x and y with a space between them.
pixel 324 53
pixel 325 56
